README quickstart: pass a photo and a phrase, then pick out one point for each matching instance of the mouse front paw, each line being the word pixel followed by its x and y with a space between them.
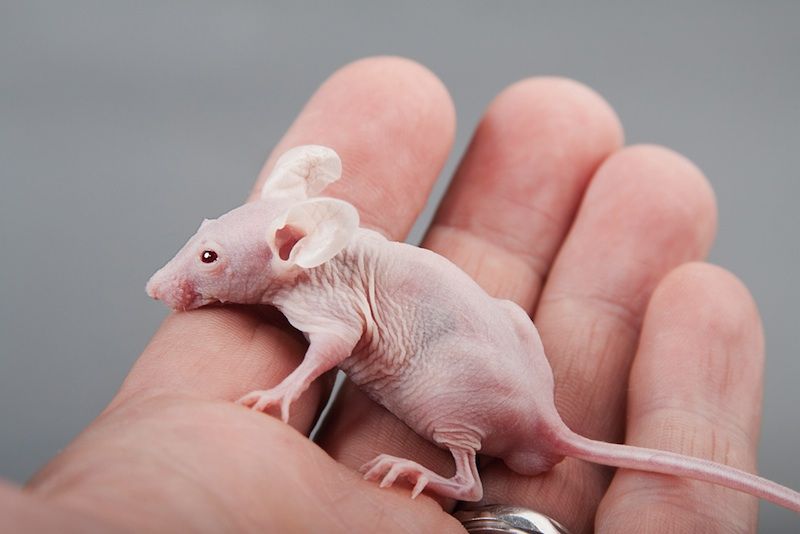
pixel 261 400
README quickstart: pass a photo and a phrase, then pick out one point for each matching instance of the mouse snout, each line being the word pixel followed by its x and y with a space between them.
pixel 154 286
pixel 151 289
pixel 176 292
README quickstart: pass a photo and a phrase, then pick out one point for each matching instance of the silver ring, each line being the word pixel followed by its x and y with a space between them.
pixel 507 519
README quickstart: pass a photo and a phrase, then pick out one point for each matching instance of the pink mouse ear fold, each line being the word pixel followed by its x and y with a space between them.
pixel 312 232
pixel 303 172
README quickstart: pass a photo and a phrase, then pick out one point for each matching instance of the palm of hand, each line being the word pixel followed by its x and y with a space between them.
pixel 546 209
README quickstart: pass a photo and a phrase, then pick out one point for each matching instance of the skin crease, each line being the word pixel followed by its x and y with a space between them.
pixel 462 369
pixel 541 195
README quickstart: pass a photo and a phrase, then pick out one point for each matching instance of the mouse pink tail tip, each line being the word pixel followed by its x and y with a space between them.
pixel 670 463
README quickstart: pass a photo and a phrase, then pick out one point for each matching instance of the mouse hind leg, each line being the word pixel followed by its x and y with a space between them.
pixel 464 485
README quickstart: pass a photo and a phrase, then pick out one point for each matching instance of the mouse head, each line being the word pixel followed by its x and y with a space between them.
pixel 262 245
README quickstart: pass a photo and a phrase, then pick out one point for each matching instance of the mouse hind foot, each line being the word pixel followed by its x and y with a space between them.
pixel 465 485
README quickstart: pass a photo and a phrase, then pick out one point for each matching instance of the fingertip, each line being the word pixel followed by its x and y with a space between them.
pixel 702 295
pixel 636 174
pixel 564 103
pixel 554 127
pixel 382 87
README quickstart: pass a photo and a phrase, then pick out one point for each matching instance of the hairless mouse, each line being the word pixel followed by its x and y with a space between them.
pixel 463 369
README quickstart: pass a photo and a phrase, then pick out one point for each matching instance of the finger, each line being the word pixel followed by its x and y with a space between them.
pixel 502 220
pixel 646 211
pixel 695 388
pixel 392 122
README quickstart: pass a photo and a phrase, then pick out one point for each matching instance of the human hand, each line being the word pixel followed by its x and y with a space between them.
pixel 546 209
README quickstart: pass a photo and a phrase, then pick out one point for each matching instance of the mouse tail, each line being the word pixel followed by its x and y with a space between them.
pixel 670 463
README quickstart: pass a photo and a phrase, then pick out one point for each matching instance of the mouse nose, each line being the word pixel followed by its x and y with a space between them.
pixel 152 291
pixel 153 287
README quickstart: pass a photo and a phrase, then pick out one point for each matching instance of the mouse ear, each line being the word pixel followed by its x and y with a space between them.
pixel 302 172
pixel 311 232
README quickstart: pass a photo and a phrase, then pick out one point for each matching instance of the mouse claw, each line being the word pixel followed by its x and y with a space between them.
pixel 367 467
pixel 285 405
pixel 260 400
pixel 247 400
pixel 422 481
pixel 391 476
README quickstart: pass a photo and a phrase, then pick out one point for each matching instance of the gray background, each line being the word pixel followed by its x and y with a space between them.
pixel 122 124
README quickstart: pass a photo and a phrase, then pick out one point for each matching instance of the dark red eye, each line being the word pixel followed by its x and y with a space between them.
pixel 208 256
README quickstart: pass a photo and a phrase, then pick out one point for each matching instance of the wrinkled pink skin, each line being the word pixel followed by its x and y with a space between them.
pixel 463 369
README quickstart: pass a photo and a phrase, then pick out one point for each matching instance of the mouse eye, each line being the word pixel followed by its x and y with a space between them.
pixel 208 256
